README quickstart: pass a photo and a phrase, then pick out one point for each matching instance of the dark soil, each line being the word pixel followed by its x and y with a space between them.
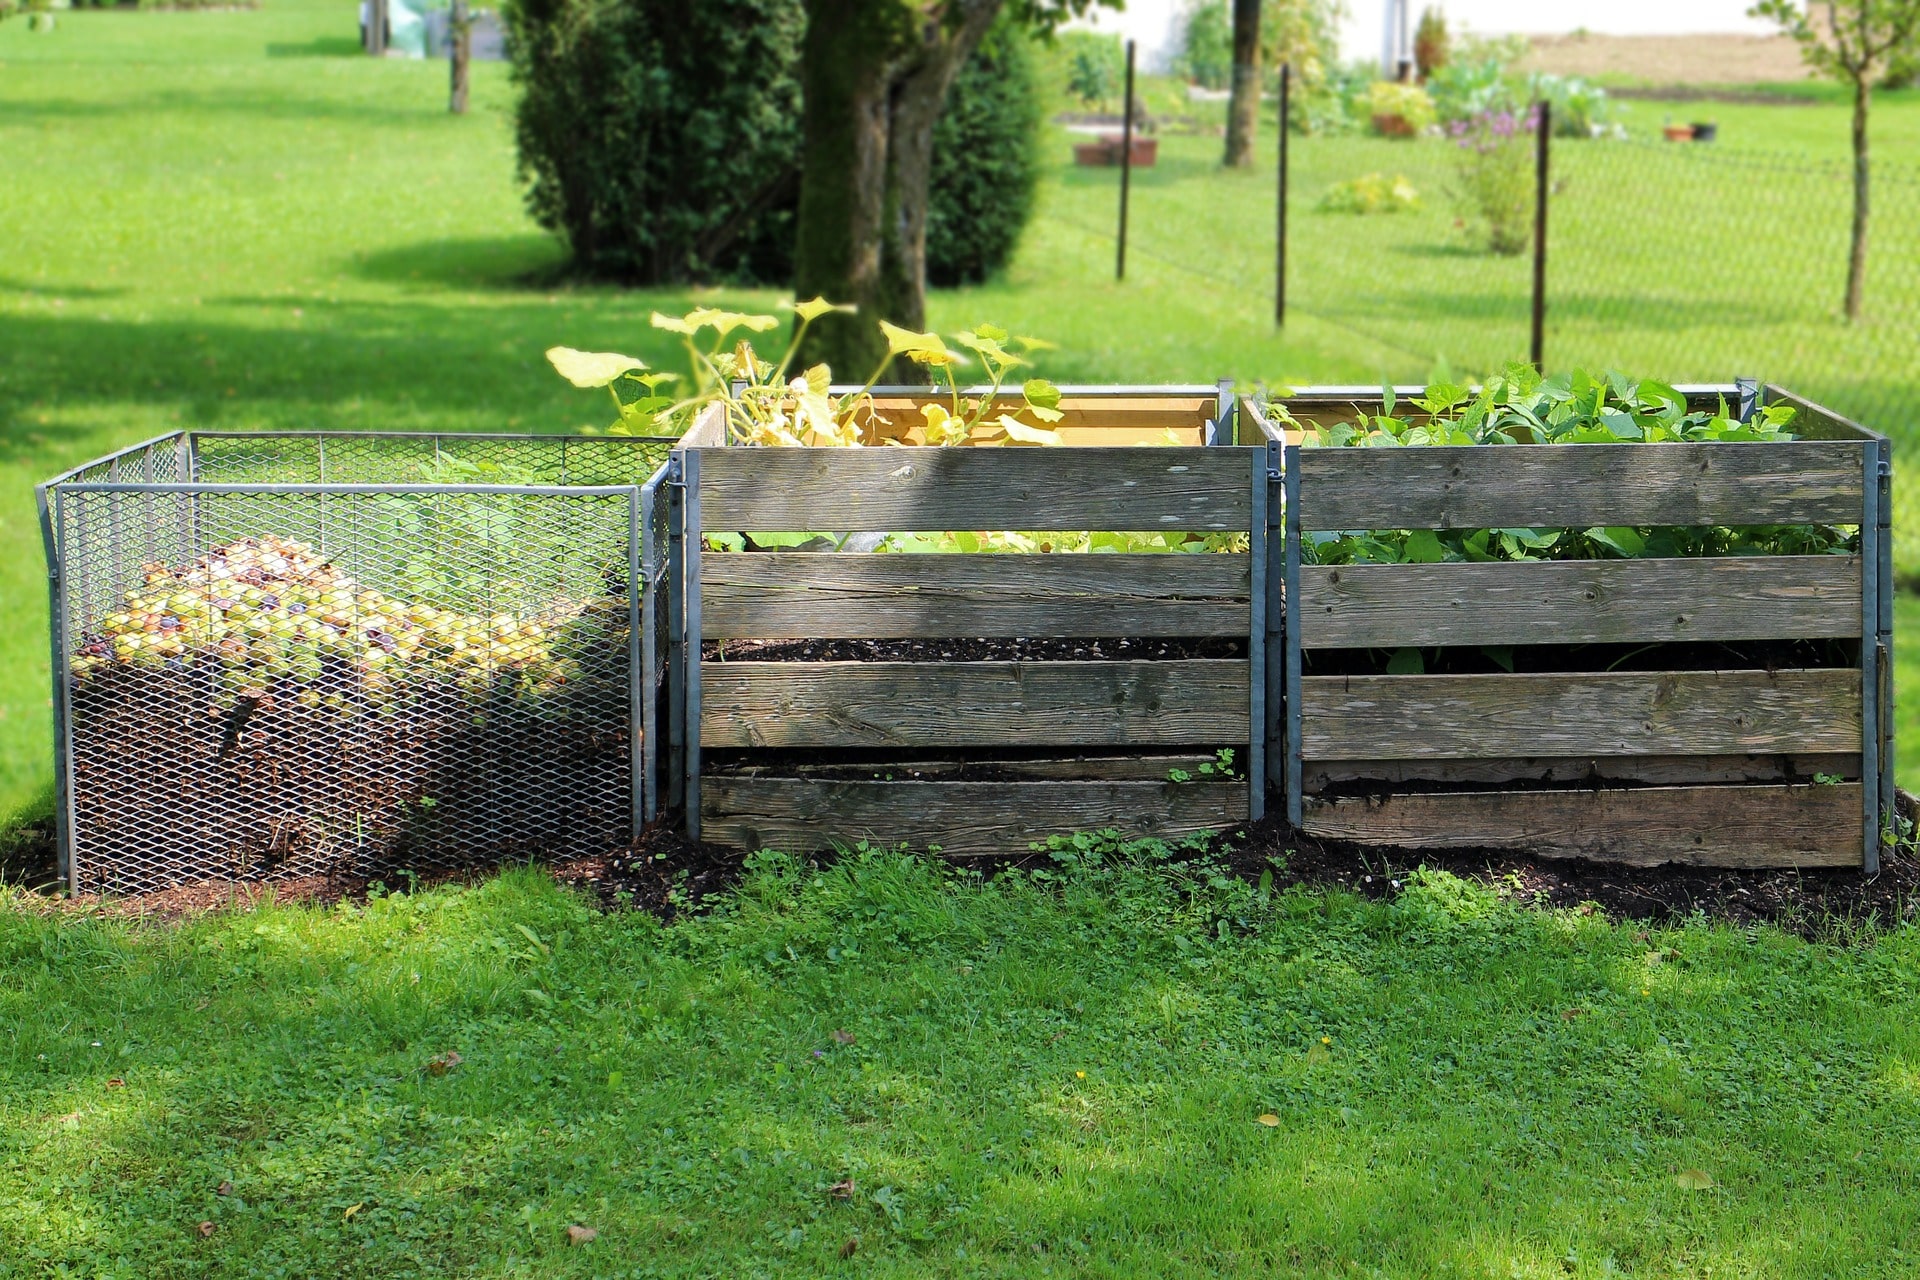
pixel 669 875
pixel 965 650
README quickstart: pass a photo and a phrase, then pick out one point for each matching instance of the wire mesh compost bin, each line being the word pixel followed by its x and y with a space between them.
pixel 288 654
pixel 1714 690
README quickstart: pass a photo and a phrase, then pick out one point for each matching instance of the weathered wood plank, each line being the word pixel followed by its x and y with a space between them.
pixel 759 595
pixel 958 704
pixel 708 430
pixel 962 819
pixel 917 489
pixel 1732 826
pixel 897 768
pixel 1578 485
pixel 1579 601
pixel 1814 421
pixel 1659 770
pixel 1611 713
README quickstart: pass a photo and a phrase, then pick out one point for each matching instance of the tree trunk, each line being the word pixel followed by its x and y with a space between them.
pixel 1857 252
pixel 874 80
pixel 460 28
pixel 1243 108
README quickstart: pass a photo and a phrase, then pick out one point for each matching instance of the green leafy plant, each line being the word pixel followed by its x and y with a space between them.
pixel 1495 178
pixel 1370 193
pixel 767 403
pixel 1520 407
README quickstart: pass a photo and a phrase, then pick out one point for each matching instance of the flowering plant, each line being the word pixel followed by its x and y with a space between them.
pixel 1494 172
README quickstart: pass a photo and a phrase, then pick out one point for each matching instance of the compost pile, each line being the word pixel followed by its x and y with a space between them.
pixel 257 711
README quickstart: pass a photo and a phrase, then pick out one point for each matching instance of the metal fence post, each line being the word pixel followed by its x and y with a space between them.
pixel 1542 149
pixel 1126 166
pixel 48 503
pixel 638 804
pixel 1277 620
pixel 1280 229
pixel 1889 794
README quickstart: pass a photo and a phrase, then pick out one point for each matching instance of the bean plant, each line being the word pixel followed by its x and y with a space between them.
pixel 1521 407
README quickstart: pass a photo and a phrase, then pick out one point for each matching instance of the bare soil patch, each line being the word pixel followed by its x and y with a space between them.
pixel 1681 62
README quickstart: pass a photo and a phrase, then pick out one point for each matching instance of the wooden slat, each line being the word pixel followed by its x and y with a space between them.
pixel 708 430
pixel 957 704
pixel 1815 421
pixel 963 819
pixel 1617 713
pixel 1659 770
pixel 899 768
pixel 1095 413
pixel 1579 601
pixel 759 595
pixel 1736 826
pixel 915 489
pixel 1578 485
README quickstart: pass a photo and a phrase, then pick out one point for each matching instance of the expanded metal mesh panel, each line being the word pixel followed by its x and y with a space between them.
pixel 374 458
pixel 266 684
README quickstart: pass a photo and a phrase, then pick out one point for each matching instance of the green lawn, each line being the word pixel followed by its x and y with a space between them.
pixel 1025 1077
pixel 231 220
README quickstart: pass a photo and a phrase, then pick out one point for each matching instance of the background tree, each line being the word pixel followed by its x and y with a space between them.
pixel 874 76
pixel 1243 107
pixel 1854 42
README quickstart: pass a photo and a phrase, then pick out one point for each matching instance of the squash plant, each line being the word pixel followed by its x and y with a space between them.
pixel 768 403
pixel 1520 407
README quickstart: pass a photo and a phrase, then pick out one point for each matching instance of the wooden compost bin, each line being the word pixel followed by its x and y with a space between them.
pixel 988 754
pixel 1691 764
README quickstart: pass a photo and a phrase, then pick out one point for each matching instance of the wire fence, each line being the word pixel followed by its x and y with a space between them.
pixel 1686 261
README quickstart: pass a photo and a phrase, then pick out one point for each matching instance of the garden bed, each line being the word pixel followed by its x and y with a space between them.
pixel 977 702
pixel 294 654
pixel 1701 749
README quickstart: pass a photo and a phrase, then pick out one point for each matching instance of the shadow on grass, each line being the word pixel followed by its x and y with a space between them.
pixel 39 289
pixel 318 47
pixel 527 261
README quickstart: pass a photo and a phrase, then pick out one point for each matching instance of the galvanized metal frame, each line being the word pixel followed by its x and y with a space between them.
pixel 690 647
pixel 1257 639
pixel 1290 478
pixel 651 574
pixel 47 499
pixel 1883 637
pixel 676 629
pixel 1870 646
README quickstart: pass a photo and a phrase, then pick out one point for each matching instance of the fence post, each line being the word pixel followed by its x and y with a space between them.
pixel 1536 350
pixel 1280 229
pixel 1126 165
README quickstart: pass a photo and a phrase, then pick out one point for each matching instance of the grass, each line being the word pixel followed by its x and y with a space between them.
pixel 231 220
pixel 1058 1074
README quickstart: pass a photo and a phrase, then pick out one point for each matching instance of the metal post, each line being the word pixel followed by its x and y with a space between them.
pixel 676 628
pixel 1541 156
pixel 48 503
pixel 1257 642
pixel 1276 672
pixel 1226 418
pixel 1280 228
pixel 1884 657
pixel 639 802
pixel 1126 166
pixel 1747 391
pixel 1290 477
pixel 691 645
pixel 1870 762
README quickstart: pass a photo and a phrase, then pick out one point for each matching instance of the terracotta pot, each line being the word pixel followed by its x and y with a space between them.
pixel 1107 151
pixel 1679 133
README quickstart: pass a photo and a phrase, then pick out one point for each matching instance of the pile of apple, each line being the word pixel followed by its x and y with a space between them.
pixel 274 613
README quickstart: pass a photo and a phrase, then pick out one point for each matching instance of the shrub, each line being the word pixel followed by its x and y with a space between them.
pixel 1370 193
pixel 1579 109
pixel 986 161
pixel 1206 45
pixel 1494 167
pixel 658 138
pixel 661 141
